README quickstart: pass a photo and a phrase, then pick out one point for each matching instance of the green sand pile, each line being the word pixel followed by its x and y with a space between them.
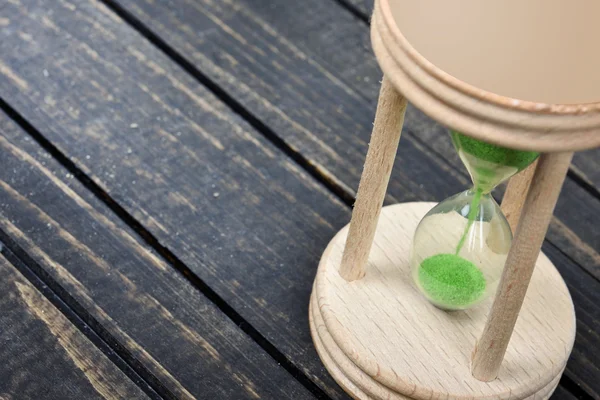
pixel 451 281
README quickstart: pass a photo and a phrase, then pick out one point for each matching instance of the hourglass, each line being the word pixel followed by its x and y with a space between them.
pixel 455 300
pixel 460 246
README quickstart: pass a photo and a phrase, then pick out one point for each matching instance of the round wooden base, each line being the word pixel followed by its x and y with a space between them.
pixel 380 339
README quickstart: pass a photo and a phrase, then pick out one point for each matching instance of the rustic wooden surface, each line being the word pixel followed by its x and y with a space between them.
pixel 193 159
pixel 177 339
pixel 45 354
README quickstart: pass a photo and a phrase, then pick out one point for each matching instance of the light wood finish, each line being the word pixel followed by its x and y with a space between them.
pixel 374 180
pixel 533 224
pixel 537 50
pixel 401 342
pixel 355 382
pixel 515 195
pixel 484 115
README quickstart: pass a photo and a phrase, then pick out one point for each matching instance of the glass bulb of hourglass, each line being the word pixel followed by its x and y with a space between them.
pixel 460 246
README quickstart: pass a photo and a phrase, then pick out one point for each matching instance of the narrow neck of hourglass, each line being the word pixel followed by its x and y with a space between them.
pixel 484 174
pixel 489 165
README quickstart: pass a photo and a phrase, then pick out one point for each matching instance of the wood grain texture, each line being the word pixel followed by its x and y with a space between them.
pixel 364 7
pixel 44 355
pixel 325 108
pixel 85 120
pixel 587 165
pixel 374 181
pixel 165 328
pixel 382 324
pixel 237 211
pixel 361 385
pixel 515 195
pixel 270 57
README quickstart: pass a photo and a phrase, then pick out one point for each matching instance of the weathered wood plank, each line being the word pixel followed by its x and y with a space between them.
pixel 238 212
pixel 163 324
pixel 562 394
pixel 265 206
pixel 44 355
pixel 587 165
pixel 364 7
pixel 307 70
pixel 35 182
pixel 583 367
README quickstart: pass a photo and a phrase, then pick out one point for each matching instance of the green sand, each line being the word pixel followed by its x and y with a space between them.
pixel 492 153
pixel 451 281
pixel 473 210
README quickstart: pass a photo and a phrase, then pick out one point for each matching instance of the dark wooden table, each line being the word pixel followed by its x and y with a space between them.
pixel 171 171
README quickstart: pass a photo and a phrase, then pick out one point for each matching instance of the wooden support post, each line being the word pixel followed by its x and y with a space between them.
pixel 374 180
pixel 533 224
pixel 515 195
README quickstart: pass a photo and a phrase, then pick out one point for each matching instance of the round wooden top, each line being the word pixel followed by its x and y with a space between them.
pixel 392 334
pixel 517 74
pixel 542 51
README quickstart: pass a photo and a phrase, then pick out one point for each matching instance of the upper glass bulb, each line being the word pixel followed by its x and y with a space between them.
pixel 460 246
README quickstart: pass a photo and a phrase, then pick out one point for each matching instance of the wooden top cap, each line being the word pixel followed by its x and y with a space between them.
pixel 520 74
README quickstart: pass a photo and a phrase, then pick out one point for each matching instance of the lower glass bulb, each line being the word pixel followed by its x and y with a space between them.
pixel 459 250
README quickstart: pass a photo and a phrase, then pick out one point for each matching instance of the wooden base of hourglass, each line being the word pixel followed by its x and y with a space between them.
pixel 380 339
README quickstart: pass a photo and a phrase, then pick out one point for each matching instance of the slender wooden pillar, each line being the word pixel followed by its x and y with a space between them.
pixel 515 195
pixel 374 180
pixel 537 211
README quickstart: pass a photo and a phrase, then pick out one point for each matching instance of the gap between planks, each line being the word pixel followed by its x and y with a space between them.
pixel 166 254
pixel 47 288
pixel 338 188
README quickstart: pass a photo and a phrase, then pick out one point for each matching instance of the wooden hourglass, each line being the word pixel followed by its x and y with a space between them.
pixel 514 74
